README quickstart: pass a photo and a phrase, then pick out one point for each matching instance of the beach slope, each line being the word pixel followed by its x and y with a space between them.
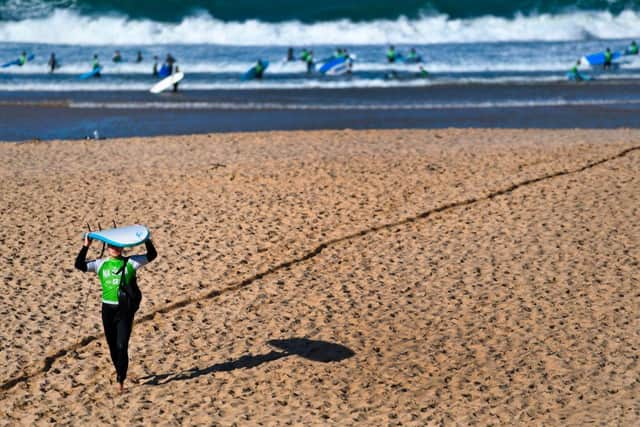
pixel 331 277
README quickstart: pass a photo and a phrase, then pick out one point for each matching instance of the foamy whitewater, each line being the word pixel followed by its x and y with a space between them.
pixel 69 27
pixel 214 53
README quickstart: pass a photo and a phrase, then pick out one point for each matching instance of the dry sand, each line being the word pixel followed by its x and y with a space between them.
pixel 335 277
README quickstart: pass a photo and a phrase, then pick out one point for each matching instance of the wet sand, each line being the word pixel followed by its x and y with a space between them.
pixel 335 277
pixel 117 114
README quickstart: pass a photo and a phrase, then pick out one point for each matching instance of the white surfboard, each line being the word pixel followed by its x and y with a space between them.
pixel 122 237
pixel 167 82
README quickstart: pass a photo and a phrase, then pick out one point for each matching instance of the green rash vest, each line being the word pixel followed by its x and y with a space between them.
pixel 110 276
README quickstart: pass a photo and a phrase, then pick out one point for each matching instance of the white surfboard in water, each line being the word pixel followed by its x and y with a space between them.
pixel 122 237
pixel 167 82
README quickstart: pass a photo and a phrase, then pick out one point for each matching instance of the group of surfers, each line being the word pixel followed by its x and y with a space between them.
pixel 167 68
pixel 575 74
pixel 392 56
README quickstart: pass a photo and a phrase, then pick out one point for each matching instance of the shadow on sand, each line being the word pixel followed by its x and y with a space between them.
pixel 316 351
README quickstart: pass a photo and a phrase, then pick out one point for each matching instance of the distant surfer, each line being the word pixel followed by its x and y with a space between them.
pixel 175 85
pixel 632 49
pixel 154 71
pixel 423 73
pixel 259 69
pixel 608 58
pixel 95 65
pixel 139 57
pixel 117 57
pixel 413 56
pixel 309 61
pixel 290 56
pixel 392 55
pixel 53 63
pixel 170 60
pixel 117 321
pixel 22 59
pixel 574 74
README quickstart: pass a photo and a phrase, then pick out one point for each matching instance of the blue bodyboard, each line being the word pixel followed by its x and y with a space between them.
pixel 90 73
pixel 17 61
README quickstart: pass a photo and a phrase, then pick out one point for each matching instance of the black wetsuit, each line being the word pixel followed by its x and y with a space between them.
pixel 117 322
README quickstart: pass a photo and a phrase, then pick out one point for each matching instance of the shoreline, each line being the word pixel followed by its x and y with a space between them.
pixel 75 115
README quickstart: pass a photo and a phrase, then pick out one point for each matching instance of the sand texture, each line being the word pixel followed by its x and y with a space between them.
pixel 456 277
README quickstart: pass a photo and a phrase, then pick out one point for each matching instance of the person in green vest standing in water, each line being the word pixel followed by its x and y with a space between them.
pixel 608 58
pixel 117 320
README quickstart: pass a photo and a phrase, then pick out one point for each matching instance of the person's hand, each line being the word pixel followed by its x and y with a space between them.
pixel 87 241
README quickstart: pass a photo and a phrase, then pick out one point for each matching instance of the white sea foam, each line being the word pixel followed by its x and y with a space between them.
pixel 551 102
pixel 69 27
pixel 99 85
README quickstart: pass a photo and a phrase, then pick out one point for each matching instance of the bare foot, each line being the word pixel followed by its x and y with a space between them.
pixel 121 387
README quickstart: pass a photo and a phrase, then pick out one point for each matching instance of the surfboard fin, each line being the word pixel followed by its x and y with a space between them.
pixel 103 244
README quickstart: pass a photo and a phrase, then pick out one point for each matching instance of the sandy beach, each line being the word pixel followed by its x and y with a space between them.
pixel 375 277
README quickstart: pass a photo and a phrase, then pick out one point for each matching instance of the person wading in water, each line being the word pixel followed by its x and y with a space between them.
pixel 117 313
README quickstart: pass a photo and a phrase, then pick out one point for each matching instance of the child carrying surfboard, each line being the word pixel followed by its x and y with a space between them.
pixel 117 275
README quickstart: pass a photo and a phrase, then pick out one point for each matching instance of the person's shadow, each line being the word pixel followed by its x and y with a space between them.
pixel 316 351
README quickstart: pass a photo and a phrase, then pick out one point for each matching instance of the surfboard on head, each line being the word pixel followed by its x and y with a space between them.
pixel 122 237
pixel 166 83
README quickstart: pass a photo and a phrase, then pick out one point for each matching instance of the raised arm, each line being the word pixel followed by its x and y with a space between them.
pixel 81 263
pixel 151 250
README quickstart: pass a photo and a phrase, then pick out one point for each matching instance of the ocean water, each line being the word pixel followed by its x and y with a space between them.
pixel 215 42
pixel 487 62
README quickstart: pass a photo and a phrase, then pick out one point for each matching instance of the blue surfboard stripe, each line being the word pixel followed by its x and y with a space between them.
pixel 330 64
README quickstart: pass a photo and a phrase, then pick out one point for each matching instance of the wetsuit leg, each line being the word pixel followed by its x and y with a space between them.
pixel 124 324
pixel 117 330
pixel 110 330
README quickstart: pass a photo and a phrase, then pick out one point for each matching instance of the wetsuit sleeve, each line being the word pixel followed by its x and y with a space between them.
pixel 151 250
pixel 138 261
pixel 81 263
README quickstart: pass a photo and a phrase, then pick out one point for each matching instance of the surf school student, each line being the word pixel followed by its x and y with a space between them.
pixel 154 72
pixel 117 321
pixel 290 56
pixel 391 54
pixel 170 60
pixel 117 57
pixel 309 61
pixel 53 62
pixel 632 49
pixel 175 85
pixel 413 56
pixel 574 73
pixel 95 64
pixel 139 57
pixel 22 59
pixel 608 57
pixel 423 72
pixel 259 69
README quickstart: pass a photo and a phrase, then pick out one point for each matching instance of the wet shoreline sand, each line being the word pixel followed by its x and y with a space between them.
pixel 75 115
pixel 333 277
